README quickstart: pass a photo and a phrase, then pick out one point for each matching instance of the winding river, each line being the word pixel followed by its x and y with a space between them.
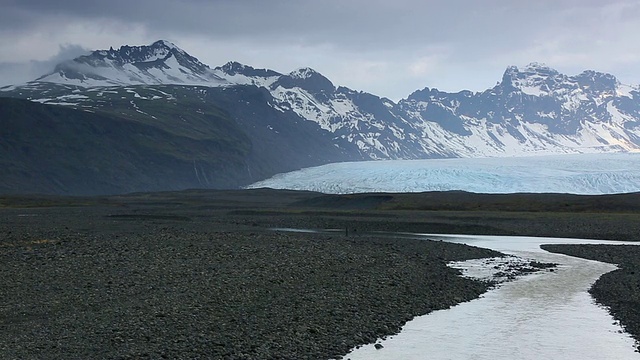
pixel 547 315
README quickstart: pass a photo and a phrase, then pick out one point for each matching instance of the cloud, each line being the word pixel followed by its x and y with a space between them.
pixel 375 45
pixel 21 72
pixel 354 24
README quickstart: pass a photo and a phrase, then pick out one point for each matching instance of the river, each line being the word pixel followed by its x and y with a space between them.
pixel 546 315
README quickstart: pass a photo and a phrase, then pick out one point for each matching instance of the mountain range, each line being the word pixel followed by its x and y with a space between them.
pixel 232 125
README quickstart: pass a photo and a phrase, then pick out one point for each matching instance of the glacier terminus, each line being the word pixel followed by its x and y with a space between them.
pixel 576 174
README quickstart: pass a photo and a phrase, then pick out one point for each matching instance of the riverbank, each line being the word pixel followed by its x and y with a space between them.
pixel 200 273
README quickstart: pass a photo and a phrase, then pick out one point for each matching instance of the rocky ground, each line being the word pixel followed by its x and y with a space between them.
pixel 78 283
pixel 202 274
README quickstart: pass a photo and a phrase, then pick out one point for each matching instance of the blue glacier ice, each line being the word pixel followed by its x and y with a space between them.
pixel 574 174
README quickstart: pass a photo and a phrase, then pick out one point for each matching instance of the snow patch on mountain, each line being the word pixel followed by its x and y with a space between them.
pixel 303 73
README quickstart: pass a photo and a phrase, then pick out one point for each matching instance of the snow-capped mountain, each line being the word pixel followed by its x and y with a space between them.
pixel 533 110
pixel 159 63
pixel 361 119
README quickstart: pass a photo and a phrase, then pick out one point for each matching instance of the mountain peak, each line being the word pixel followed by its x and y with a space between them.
pixel 536 67
pixel 126 54
pixel 539 79
pixel 597 76
pixel 308 79
pixel 161 62
pixel 235 68
pixel 596 81
pixel 166 44
pixel 533 79
pixel 303 73
pixel 531 69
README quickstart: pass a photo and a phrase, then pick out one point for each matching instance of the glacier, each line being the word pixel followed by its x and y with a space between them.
pixel 574 174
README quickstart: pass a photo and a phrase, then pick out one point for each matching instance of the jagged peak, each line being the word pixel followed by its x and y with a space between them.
pixel 234 68
pixel 303 73
pixel 534 68
pixel 422 94
pixel 306 78
pixel 531 79
pixel 537 67
pixel 126 53
pixel 106 67
pixel 536 72
pixel 165 43
pixel 427 94
pixel 597 75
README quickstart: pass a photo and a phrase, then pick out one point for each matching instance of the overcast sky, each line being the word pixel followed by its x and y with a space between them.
pixel 389 48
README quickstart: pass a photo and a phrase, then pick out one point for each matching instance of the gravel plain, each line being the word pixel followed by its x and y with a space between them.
pixel 201 274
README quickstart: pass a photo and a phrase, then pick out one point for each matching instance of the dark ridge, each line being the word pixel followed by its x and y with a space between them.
pixel 350 202
pixel 529 202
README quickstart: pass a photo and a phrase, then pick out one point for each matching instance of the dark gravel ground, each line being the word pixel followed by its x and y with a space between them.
pixel 198 274
pixel 78 283
pixel 618 290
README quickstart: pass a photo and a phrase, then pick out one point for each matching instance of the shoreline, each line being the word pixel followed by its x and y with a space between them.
pixel 193 273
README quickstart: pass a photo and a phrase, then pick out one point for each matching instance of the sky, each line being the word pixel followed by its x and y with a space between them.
pixel 388 48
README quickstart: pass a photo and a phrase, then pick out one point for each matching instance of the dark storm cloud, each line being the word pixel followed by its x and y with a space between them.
pixel 356 24
pixel 401 18
pixel 360 24
pixel 471 28
pixel 370 44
